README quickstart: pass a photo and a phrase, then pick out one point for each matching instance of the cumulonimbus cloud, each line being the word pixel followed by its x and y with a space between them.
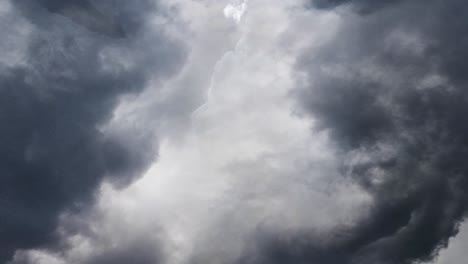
pixel 381 177
pixel 78 57
pixel 390 87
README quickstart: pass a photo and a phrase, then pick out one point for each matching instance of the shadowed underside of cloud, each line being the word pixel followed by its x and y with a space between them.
pixel 391 89
pixel 79 58
pixel 362 6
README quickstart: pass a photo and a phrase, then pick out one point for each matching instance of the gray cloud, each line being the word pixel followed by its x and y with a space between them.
pixel 138 252
pixel 362 6
pixel 79 57
pixel 115 241
pixel 390 88
pixel 385 92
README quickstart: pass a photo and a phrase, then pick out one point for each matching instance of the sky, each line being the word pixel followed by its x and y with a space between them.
pixel 233 132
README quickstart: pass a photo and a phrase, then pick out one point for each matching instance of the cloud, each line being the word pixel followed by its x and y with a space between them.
pixel 75 59
pixel 362 6
pixel 205 197
pixel 235 11
pixel 456 250
pixel 389 88
pixel 329 134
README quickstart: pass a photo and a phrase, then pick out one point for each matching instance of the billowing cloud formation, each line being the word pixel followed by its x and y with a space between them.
pixel 330 132
pixel 390 88
pixel 65 65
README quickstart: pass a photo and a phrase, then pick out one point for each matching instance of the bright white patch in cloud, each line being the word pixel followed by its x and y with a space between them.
pixel 236 10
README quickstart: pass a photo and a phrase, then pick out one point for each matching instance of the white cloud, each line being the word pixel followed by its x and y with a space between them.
pixel 235 10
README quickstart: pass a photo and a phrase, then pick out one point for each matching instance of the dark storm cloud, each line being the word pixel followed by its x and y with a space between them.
pixel 112 18
pixel 79 58
pixel 362 6
pixel 85 14
pixel 392 90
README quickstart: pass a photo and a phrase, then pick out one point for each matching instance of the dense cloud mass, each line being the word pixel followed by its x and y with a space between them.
pixel 66 64
pixel 390 88
pixel 363 6
pixel 234 131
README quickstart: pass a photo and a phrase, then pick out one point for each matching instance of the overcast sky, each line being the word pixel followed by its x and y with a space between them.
pixel 233 131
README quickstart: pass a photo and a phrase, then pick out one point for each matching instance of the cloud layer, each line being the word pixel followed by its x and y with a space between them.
pixel 186 132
